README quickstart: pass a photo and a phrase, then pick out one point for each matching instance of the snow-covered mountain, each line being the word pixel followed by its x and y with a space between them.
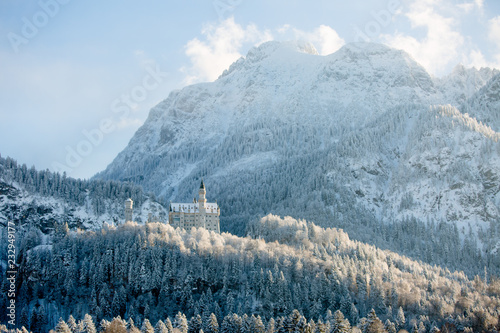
pixel 362 135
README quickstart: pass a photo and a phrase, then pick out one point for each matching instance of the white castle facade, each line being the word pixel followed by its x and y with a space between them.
pixel 198 214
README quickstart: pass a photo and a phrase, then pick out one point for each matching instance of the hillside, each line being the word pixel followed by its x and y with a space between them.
pixel 364 139
pixel 153 271
pixel 43 199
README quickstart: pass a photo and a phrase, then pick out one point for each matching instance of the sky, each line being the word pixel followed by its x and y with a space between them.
pixel 78 78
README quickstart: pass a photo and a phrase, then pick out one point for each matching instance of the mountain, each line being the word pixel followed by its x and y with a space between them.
pixel 364 139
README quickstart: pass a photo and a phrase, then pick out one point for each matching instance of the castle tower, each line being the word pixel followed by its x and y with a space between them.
pixel 129 204
pixel 202 205
pixel 201 192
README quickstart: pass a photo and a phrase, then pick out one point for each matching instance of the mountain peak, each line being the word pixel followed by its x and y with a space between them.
pixel 272 49
pixel 366 51
pixel 366 47
pixel 268 48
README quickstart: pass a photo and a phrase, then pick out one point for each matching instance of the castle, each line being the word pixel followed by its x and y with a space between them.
pixel 198 214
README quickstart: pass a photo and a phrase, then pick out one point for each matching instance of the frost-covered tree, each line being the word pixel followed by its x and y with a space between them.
pixel 87 325
pixel 160 327
pixel 62 327
pixel 180 322
pixel 373 323
pixel 339 323
pixel 212 326
pixel 147 327
pixel 195 324
pixel 117 325
pixel 400 318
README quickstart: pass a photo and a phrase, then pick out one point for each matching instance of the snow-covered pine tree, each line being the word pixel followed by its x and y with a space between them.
pixel 160 327
pixel 62 327
pixel 340 324
pixel 180 322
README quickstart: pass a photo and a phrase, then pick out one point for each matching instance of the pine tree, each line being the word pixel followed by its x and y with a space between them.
pixel 212 326
pixel 117 325
pixel 434 329
pixel 329 316
pixel 374 324
pixel 195 324
pixel 103 325
pixel 24 319
pixel 160 327
pixel 271 326
pixel 37 319
pixel 87 325
pixel 354 315
pixel 321 327
pixel 180 322
pixel 390 327
pixel 400 318
pixel 340 324
pixel 168 323
pixel 246 326
pixel 72 323
pixel 62 327
pixel 257 324
pixel 147 327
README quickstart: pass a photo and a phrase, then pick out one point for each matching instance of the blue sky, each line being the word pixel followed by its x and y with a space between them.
pixel 77 78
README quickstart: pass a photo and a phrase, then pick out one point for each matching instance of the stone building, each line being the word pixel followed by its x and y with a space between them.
pixel 198 214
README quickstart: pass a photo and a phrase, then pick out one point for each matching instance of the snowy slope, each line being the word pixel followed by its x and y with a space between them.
pixel 24 207
pixel 356 135
pixel 484 105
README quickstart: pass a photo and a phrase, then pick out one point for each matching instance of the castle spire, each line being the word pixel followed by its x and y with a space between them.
pixel 201 192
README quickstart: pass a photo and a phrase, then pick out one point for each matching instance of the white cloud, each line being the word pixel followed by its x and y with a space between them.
pixel 476 57
pixel 439 47
pixel 323 37
pixel 494 37
pixel 470 6
pixel 220 48
pixel 494 31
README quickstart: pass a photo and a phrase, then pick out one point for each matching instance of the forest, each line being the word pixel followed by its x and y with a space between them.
pixel 287 275
pixel 95 197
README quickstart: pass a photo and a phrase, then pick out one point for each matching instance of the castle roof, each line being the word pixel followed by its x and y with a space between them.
pixel 210 207
pixel 202 185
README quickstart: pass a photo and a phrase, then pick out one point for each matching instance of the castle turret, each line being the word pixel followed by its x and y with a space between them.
pixel 201 192
pixel 129 204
